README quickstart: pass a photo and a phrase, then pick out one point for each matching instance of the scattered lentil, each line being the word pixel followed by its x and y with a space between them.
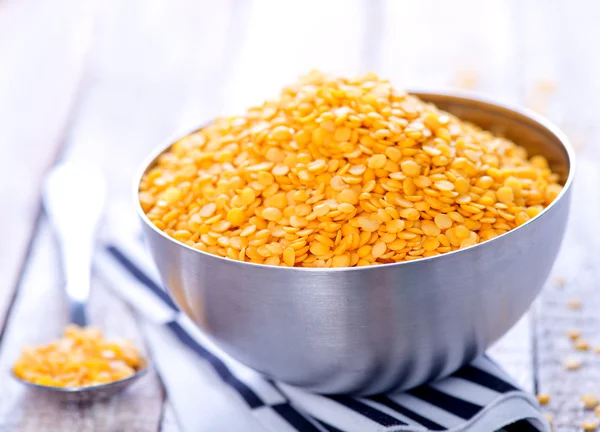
pixel 589 425
pixel 589 400
pixel 574 303
pixel 581 345
pixel 467 79
pixel 543 398
pixel 560 282
pixel 353 162
pixel 572 363
pixel 574 334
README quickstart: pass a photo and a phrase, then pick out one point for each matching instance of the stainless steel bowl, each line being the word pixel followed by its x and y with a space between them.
pixel 373 329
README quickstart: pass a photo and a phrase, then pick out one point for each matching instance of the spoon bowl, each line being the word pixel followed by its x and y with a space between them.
pixel 89 393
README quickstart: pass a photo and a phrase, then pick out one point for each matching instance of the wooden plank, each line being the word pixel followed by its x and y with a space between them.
pixel 577 267
pixel 39 81
pixel 155 68
pixel 169 421
pixel 471 45
pixel 560 80
pixel 39 321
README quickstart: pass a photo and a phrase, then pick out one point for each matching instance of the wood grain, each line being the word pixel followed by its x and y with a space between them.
pixel 577 266
pixel 559 82
pixel 39 82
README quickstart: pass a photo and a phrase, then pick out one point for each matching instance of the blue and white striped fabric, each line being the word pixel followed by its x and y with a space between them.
pixel 209 390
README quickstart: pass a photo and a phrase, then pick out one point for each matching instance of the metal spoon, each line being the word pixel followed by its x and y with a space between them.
pixel 73 199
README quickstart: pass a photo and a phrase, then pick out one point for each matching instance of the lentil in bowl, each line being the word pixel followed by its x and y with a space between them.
pixel 343 172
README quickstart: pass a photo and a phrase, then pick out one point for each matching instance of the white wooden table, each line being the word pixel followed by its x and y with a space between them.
pixel 106 81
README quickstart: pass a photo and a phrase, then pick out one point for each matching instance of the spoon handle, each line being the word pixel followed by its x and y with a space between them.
pixel 73 199
pixel 76 257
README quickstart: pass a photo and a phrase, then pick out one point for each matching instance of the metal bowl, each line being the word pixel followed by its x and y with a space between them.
pixel 373 329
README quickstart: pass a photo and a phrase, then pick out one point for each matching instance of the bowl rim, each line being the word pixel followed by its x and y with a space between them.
pixel 462 95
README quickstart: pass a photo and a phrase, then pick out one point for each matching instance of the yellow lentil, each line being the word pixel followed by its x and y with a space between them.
pixel 341 172
pixel 574 303
pixel 581 345
pixel 560 282
pixel 410 168
pixel 589 400
pixel 430 229
pixel 236 216
pixel 543 398
pixel 572 363
pixel 272 214
pixel 589 425
pixel 505 195
pixel 443 221
pixel 574 334
pixel 377 161
pixel 378 250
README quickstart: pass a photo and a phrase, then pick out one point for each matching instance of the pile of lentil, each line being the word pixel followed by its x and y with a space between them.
pixel 341 172
pixel 81 358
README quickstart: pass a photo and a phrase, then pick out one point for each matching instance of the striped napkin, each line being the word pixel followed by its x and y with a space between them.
pixel 210 391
